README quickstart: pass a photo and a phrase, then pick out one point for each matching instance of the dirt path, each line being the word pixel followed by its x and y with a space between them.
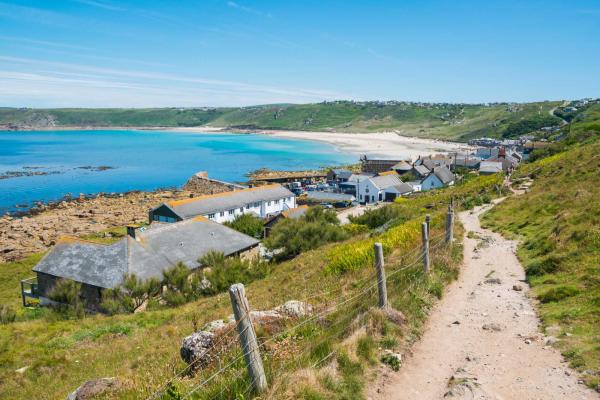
pixel 482 340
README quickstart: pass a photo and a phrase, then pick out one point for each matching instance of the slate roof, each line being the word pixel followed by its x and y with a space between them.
pixel 422 170
pixel 490 167
pixel 342 173
pixel 148 255
pixel 330 196
pixel 214 203
pixel 295 213
pixel 444 174
pixel 403 188
pixel 402 166
pixel 385 181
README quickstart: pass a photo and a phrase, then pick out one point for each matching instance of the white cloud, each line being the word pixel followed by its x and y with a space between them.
pixel 249 10
pixel 100 4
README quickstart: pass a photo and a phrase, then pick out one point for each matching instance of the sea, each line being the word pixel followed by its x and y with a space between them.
pixel 45 166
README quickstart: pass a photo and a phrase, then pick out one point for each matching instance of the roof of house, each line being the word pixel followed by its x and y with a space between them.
pixel 295 213
pixel 444 174
pixel 490 166
pixel 422 170
pixel 342 173
pixel 213 203
pixel 431 163
pixel 402 166
pixel 390 172
pixel 360 177
pixel 329 196
pixel 385 181
pixel 148 255
pixel 402 188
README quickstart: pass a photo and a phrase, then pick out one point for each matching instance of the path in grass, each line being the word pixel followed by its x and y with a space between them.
pixel 482 340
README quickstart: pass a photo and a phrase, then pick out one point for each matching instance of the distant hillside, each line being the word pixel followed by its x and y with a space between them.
pixel 446 121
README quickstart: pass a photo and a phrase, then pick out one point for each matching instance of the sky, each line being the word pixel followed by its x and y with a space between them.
pixel 134 53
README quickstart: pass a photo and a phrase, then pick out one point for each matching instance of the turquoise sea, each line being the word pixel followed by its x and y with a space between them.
pixel 52 164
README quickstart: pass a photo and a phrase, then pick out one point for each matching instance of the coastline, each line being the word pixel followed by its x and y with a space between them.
pixel 373 144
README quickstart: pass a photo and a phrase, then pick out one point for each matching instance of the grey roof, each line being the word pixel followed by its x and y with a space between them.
pixel 431 163
pixel 330 196
pixel 360 177
pixel 385 181
pixel 342 173
pixel 402 166
pixel 444 174
pixel 403 188
pixel 214 203
pixel 422 170
pixel 148 255
pixel 490 166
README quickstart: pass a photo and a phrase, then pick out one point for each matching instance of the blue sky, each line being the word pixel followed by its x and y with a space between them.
pixel 109 53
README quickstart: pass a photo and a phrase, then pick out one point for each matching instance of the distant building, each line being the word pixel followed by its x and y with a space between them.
pixel 293 213
pixel 382 188
pixel 144 252
pixel 376 166
pixel 339 175
pixel 262 201
pixel 438 178
pixel 490 167
pixel 402 167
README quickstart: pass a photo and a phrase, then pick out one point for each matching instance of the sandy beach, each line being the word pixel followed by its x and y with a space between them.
pixel 374 144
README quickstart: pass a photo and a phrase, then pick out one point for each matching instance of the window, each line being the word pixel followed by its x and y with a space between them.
pixel 222 213
pixel 268 203
pixel 211 216
pixel 231 212
pixel 241 209
pixel 257 204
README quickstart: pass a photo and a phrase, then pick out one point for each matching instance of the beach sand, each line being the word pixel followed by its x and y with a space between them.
pixel 374 144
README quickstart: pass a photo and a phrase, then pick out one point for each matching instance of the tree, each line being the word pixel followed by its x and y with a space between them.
pixel 248 224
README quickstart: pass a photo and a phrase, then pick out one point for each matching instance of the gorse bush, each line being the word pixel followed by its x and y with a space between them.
pixel 315 228
pixel 222 272
pixel 130 295
pixel 248 224
pixel 67 297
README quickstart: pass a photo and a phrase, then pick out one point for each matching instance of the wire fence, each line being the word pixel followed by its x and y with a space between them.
pixel 230 352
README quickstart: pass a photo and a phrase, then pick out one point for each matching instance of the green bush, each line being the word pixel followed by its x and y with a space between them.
pixel 131 294
pixel 7 314
pixel 222 272
pixel 315 228
pixel 248 224
pixel 558 293
pixel 377 217
pixel 67 296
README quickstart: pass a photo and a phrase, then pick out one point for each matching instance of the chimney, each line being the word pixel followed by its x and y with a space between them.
pixel 131 231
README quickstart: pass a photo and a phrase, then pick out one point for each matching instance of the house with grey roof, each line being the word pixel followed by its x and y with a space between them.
pixel 384 187
pixel 438 178
pixel 339 175
pixel 490 167
pixel 263 201
pixel 420 171
pixel 145 252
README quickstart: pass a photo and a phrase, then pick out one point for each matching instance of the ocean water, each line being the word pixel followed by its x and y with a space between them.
pixel 58 163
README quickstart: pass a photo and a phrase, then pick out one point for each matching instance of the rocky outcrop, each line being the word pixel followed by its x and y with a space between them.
pixel 93 388
pixel 200 184
pixel 197 349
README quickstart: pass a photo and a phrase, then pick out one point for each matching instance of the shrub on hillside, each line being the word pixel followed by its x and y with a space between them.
pixel 130 295
pixel 248 224
pixel 67 297
pixel 315 228
pixel 377 217
pixel 222 272
pixel 7 314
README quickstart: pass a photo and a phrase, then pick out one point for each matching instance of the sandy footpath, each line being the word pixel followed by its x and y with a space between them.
pixel 485 335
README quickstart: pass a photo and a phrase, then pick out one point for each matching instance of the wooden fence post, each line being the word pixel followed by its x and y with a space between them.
pixel 425 237
pixel 241 311
pixel 449 226
pixel 428 222
pixel 381 282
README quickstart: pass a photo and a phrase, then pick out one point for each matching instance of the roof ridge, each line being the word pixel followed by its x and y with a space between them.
pixel 176 203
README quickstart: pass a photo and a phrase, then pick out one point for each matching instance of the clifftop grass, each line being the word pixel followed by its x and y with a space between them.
pixel 558 224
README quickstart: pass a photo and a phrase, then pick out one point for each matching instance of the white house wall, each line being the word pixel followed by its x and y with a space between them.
pixel 260 208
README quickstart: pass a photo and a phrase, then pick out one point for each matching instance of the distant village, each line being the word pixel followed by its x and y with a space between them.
pixel 185 230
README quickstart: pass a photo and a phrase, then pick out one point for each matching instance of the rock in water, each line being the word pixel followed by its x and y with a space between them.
pixel 195 349
pixel 93 388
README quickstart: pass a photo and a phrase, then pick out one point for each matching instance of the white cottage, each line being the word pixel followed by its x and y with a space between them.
pixel 381 188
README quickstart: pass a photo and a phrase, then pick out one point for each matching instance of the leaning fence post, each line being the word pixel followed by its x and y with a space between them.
pixel 241 311
pixel 425 237
pixel 428 222
pixel 449 226
pixel 381 282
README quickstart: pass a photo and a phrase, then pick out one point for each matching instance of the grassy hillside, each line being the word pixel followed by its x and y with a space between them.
pixel 449 121
pixel 142 349
pixel 558 224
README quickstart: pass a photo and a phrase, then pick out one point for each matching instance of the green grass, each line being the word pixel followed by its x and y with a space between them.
pixel 448 121
pixel 558 225
pixel 143 349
